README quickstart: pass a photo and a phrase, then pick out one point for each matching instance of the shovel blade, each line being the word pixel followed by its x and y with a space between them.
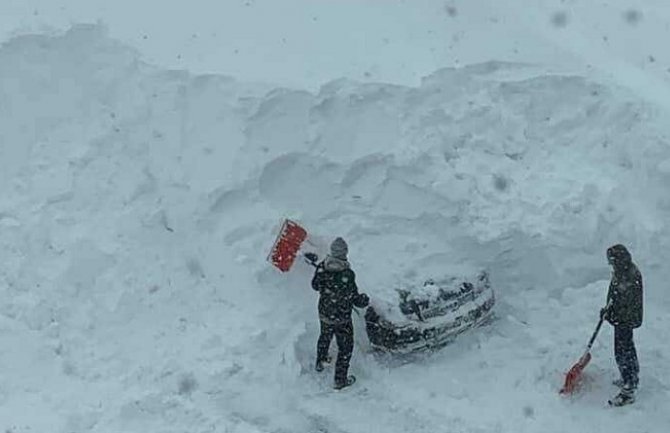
pixel 574 376
pixel 287 245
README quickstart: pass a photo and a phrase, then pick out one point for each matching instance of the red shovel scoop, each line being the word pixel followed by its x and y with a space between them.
pixel 574 376
pixel 287 245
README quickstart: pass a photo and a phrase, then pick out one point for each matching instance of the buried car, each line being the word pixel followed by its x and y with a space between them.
pixel 431 315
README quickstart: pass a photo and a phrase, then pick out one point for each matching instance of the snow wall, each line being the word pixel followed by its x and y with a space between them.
pixel 137 207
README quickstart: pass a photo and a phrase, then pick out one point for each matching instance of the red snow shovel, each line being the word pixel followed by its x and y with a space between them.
pixel 287 245
pixel 574 376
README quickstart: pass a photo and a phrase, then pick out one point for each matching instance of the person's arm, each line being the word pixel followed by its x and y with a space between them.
pixel 317 280
pixel 638 282
pixel 360 300
pixel 605 311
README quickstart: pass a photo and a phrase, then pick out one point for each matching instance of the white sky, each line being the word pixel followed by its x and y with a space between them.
pixel 308 42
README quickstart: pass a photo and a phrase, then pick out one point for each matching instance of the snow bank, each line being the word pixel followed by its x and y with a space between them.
pixel 137 206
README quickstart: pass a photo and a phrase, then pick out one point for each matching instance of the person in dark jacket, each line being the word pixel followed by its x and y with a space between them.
pixel 624 312
pixel 336 283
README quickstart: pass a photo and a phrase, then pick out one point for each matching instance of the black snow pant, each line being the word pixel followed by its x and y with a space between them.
pixel 626 357
pixel 344 334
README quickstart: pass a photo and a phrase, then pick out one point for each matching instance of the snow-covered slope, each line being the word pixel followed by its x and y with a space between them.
pixel 137 206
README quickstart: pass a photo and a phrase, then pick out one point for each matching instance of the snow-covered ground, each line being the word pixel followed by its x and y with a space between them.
pixel 138 203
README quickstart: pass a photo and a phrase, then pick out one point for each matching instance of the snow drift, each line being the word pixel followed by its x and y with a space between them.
pixel 137 206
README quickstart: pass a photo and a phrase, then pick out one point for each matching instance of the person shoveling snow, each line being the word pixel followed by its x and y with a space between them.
pixel 624 312
pixel 336 283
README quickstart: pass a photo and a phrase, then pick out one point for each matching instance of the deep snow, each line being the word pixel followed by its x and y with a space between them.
pixel 137 206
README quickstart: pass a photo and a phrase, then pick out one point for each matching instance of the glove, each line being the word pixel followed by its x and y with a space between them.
pixel 604 313
pixel 362 300
pixel 311 257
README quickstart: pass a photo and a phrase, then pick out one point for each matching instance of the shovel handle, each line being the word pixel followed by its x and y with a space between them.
pixel 593 337
pixel 595 333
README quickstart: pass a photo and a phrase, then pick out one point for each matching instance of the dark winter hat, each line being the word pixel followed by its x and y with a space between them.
pixel 618 255
pixel 339 249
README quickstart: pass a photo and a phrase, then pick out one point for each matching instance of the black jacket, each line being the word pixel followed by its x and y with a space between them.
pixel 625 296
pixel 336 284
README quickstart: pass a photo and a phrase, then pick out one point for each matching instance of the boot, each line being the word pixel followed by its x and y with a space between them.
pixel 625 397
pixel 339 384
